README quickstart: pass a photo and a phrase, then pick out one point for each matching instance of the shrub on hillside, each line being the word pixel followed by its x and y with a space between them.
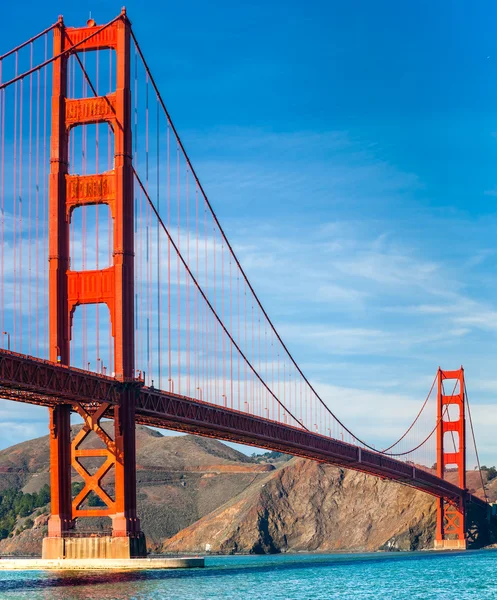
pixel 14 504
pixel 491 472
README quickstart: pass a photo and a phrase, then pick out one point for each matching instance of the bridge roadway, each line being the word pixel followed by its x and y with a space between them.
pixel 35 381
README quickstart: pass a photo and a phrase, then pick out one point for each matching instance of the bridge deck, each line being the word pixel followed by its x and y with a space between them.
pixel 34 381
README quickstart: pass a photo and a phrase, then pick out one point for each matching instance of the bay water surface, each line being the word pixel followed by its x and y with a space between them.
pixel 399 576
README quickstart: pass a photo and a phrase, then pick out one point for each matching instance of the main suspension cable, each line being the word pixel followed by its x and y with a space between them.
pixel 30 41
pixel 57 56
pixel 186 266
pixel 272 326
pixel 211 307
pixel 385 450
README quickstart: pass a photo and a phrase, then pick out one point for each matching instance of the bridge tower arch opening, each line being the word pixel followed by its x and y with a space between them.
pixel 113 286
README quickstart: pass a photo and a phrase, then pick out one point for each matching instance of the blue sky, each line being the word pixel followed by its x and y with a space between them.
pixel 349 150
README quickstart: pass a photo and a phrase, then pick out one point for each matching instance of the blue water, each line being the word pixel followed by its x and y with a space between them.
pixel 284 577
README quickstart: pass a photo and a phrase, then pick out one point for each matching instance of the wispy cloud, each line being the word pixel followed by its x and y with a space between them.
pixel 362 293
pixel 373 289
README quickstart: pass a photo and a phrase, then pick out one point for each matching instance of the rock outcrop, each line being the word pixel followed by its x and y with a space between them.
pixel 307 506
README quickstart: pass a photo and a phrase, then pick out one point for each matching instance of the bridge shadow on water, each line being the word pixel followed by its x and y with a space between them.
pixel 97 585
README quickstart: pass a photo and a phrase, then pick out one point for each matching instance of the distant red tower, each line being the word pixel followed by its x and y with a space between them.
pixel 112 286
pixel 451 517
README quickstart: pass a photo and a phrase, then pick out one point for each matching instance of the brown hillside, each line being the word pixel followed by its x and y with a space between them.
pixel 196 491
pixel 180 479
pixel 307 506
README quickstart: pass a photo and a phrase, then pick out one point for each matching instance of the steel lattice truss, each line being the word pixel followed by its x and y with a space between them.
pixel 27 379
pixel 34 381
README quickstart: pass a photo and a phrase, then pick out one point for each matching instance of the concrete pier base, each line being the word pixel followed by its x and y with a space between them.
pixel 104 547
pixel 450 545
pixel 90 564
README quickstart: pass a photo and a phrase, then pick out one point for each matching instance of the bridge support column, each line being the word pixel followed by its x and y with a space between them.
pixel 113 286
pixel 125 521
pixel 451 451
pixel 451 526
pixel 60 520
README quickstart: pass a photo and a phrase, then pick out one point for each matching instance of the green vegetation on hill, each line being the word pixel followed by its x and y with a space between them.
pixel 491 472
pixel 271 457
pixel 14 504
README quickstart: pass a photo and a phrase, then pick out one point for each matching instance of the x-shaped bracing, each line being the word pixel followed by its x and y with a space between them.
pixel 92 483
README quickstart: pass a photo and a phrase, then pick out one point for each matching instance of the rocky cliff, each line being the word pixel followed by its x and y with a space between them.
pixel 307 506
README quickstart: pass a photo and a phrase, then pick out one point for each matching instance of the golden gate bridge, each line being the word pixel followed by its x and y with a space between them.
pixel 121 297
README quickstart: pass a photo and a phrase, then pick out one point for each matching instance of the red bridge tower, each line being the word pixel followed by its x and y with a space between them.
pixel 451 517
pixel 112 286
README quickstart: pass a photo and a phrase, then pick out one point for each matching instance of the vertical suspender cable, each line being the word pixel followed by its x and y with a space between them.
pixel 30 154
pixel 178 290
pixel 216 396
pixel 97 233
pixel 187 280
pixel 84 218
pixel 21 190
pixel 231 343
pixel 2 193
pixel 223 316
pixel 169 355
pixel 239 340
pixel 45 199
pixel 206 334
pixel 149 231
pixel 195 303
pixel 14 201
pixel 110 220
pixel 158 239
pixel 37 217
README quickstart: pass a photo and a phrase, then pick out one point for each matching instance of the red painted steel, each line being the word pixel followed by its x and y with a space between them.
pixel 59 329
pixel 112 286
pixel 125 519
pixel 451 515
pixel 104 37
pixel 171 411
pixel 93 482
pixel 85 111
pixel 85 190
pixel 27 379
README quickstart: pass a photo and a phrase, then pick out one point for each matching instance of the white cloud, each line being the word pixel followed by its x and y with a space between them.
pixel 363 301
